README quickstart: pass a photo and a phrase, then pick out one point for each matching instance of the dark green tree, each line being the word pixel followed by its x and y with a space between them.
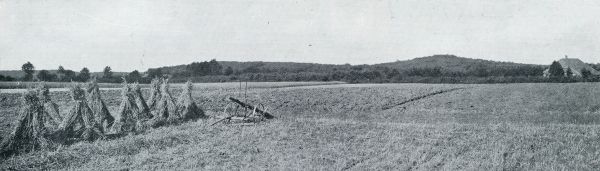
pixel 28 68
pixel 205 68
pixel 228 71
pixel 198 68
pixel 84 75
pixel 586 74
pixel 70 75
pixel 107 73
pixel 60 73
pixel 6 78
pixel 214 67
pixel 556 70
pixel 44 75
pixel 134 76
pixel 61 69
pixel 569 73
pixel 153 73
pixel 394 74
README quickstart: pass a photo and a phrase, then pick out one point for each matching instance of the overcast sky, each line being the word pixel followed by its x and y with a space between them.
pixel 128 35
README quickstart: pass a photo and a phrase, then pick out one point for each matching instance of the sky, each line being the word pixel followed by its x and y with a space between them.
pixel 136 35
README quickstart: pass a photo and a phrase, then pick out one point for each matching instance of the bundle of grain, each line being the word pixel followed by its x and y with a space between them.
pixel 127 114
pixel 51 113
pixel 166 110
pixel 186 106
pixel 154 93
pixel 29 132
pixel 98 107
pixel 144 111
pixel 80 124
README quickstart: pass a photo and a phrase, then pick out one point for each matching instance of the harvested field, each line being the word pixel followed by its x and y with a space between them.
pixel 352 127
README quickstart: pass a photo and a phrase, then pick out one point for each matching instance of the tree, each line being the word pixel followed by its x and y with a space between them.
pixel 479 70
pixel 214 67
pixel 569 73
pixel 198 68
pixel 228 71
pixel 586 74
pixel 44 75
pixel 28 68
pixel 205 68
pixel 153 73
pixel 107 73
pixel 69 75
pixel 556 70
pixel 134 76
pixel 6 78
pixel 252 69
pixel 61 69
pixel 60 73
pixel 84 75
pixel 393 74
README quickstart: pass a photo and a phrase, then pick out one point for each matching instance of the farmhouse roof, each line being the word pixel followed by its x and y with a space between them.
pixel 576 65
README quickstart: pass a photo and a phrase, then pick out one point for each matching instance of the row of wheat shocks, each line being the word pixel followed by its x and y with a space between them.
pixel 165 109
pixel 29 132
pixel 40 124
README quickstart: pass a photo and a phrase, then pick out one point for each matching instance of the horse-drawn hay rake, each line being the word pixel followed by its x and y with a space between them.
pixel 239 112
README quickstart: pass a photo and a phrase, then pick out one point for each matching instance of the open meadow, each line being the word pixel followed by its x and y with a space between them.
pixel 543 126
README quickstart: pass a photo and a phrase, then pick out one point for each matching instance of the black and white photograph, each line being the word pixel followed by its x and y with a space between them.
pixel 299 85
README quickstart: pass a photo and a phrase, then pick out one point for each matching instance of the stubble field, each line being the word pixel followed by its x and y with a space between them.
pixel 353 127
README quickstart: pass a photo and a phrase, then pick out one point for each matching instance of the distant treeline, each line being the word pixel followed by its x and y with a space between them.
pixel 436 69
pixel 369 74
pixel 67 75
pixel 6 78
pixel 213 71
